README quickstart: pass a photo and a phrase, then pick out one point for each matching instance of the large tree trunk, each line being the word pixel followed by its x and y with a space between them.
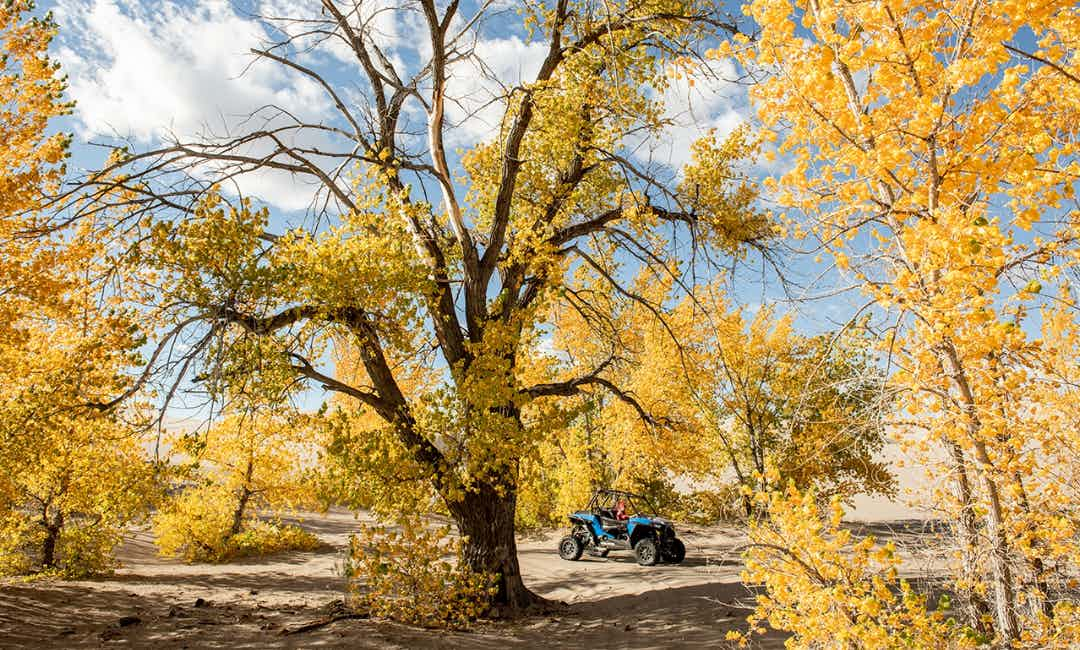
pixel 486 518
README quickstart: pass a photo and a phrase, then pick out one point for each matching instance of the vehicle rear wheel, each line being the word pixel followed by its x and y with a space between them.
pixel 646 552
pixel 570 548
pixel 675 552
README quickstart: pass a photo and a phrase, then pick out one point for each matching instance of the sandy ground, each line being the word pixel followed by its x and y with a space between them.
pixel 611 603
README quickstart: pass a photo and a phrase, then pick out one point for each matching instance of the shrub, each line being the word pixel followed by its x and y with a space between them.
pixel 84 547
pixel 833 590
pixel 197 527
pixel 263 538
pixel 65 515
pixel 405 573
pixel 18 542
pixel 194 525
pixel 714 506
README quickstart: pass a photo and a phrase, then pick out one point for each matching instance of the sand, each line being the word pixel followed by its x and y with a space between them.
pixel 611 603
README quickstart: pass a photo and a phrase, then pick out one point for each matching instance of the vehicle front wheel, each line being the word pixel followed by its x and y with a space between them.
pixel 675 552
pixel 570 548
pixel 646 552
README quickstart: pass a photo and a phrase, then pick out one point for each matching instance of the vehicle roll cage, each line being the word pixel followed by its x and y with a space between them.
pixel 604 495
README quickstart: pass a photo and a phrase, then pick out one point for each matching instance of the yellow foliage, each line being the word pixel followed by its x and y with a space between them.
pixel 558 478
pixel 74 470
pixel 250 462
pixel 831 589
pixel 931 148
pixel 733 399
pixel 415 574
pixel 65 508
pixel 197 527
pixel 32 94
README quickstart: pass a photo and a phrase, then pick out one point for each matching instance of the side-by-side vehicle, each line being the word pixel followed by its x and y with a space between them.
pixel 617 520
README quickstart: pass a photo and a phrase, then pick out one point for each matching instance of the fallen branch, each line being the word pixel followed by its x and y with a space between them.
pixel 317 623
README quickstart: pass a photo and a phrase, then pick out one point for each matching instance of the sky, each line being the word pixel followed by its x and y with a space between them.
pixel 140 69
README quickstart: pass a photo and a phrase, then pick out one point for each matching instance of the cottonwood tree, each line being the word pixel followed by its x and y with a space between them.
pixel 415 256
pixel 934 155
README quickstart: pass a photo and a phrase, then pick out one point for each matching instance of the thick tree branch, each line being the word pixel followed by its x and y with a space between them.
pixel 574 387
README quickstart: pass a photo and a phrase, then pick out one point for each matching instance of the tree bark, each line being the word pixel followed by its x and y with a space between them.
pixel 1004 593
pixel 52 535
pixel 486 518
pixel 245 494
pixel 238 514
pixel 969 532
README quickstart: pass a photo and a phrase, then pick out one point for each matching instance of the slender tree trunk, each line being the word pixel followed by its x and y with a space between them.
pixel 1000 570
pixel 245 495
pixel 238 514
pixel 52 535
pixel 486 518
pixel 1040 600
pixel 968 529
pixel 1004 594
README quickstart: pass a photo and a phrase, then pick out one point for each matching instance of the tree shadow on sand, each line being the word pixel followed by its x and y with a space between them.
pixel 698 616
pixel 47 614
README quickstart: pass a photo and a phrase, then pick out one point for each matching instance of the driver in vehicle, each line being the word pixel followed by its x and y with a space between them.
pixel 620 510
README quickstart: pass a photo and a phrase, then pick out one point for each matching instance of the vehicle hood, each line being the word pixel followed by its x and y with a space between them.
pixel 651 520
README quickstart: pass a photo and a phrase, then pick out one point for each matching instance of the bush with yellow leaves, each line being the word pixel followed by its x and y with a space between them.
pixel 65 506
pixel 197 526
pixel 415 574
pixel 831 589
pixel 250 463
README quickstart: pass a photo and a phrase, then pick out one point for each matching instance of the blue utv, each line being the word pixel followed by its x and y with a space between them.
pixel 614 521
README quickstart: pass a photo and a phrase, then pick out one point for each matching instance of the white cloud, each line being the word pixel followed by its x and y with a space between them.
pixel 478 86
pixel 137 72
pixel 694 106
pixel 140 70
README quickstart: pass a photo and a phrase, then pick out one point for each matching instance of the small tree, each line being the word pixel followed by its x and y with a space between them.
pixel 248 464
pixel 831 589
pixel 74 476
pixel 728 399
